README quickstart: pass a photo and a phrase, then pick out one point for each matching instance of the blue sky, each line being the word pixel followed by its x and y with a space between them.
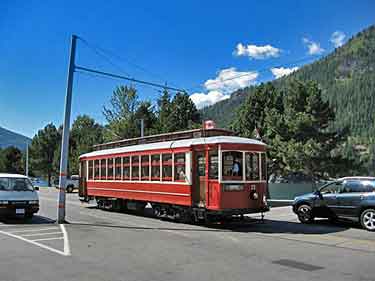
pixel 183 43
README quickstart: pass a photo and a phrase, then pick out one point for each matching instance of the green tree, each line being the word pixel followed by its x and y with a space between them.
pixel 124 114
pixel 184 114
pixel 145 111
pixel 295 123
pixel 84 134
pixel 164 111
pixel 253 112
pixel 11 161
pixel 42 151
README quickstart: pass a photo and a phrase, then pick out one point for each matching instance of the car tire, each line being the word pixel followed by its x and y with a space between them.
pixel 69 189
pixel 305 214
pixel 367 219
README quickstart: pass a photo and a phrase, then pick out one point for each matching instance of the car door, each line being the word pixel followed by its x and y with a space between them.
pixel 349 200
pixel 328 202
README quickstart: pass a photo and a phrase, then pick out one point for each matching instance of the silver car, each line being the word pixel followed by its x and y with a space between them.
pixel 17 196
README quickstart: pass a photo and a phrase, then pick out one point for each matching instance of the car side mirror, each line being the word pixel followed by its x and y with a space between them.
pixel 319 194
pixel 36 188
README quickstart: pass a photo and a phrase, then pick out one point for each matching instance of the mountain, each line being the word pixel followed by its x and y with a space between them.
pixel 347 78
pixel 9 138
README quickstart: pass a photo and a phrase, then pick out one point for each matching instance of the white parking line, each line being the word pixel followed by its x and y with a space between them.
pixel 65 252
pixel 41 234
pixel 66 240
pixel 46 239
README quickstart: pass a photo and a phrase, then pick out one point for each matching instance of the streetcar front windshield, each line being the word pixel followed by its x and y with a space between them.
pixel 243 166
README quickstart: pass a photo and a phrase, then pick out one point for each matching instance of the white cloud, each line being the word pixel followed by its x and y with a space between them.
pixel 229 80
pixel 257 52
pixel 313 47
pixel 337 38
pixel 282 71
pixel 202 100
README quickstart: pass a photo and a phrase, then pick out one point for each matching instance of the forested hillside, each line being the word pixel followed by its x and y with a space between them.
pixel 347 78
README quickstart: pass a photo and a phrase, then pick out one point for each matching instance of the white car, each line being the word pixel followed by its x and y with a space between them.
pixel 17 196
pixel 71 184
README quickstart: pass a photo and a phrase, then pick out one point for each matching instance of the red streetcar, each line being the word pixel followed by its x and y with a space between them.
pixel 192 175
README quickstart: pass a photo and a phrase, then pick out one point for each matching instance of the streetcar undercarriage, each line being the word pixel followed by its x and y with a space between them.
pixel 183 214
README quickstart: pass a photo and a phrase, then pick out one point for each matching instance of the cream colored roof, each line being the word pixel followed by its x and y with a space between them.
pixel 174 144
pixel 3 175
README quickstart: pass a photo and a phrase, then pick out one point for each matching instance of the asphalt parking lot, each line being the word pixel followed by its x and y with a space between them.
pixel 103 245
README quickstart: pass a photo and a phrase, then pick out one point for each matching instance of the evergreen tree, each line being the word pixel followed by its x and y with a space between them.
pixel 124 114
pixel 295 125
pixel 164 112
pixel 184 114
pixel 11 161
pixel 84 134
pixel 42 151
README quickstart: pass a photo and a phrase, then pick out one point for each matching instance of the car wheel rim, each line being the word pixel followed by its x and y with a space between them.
pixel 369 220
pixel 304 213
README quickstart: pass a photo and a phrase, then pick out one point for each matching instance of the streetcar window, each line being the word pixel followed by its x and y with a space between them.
pixel 118 168
pixel 110 169
pixel 126 168
pixel 179 167
pixel 96 170
pixel 252 166
pixel 155 167
pixel 145 167
pixel 90 175
pixel 135 167
pixel 201 159
pixel 232 165
pixel 167 167
pixel 103 169
pixel 213 168
pixel 264 166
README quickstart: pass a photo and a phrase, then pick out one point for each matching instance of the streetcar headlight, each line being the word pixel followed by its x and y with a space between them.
pixel 34 202
pixel 4 202
pixel 254 195
pixel 265 200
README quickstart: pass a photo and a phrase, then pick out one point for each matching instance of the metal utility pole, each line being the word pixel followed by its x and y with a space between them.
pixel 142 128
pixel 27 160
pixel 65 135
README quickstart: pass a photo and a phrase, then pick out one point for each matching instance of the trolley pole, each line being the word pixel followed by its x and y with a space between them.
pixel 142 127
pixel 65 135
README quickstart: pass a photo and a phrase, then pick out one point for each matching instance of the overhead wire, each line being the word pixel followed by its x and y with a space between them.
pixel 106 54
pixel 128 78
pixel 101 51
pixel 98 53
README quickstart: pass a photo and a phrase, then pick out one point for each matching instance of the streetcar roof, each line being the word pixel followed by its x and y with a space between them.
pixel 174 144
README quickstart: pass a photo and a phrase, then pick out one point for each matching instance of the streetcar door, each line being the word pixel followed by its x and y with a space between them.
pixel 199 192
pixel 82 190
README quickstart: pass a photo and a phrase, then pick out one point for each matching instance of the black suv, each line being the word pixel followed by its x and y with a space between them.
pixel 350 198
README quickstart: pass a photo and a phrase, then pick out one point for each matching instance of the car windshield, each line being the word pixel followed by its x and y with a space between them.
pixel 15 184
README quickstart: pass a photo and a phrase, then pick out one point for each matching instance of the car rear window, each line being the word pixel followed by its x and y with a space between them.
pixel 359 186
